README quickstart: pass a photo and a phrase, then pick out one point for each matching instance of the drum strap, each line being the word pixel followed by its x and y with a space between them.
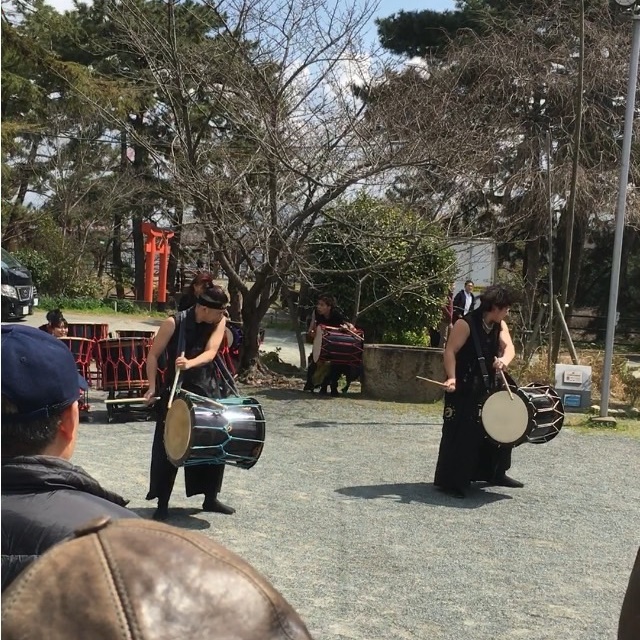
pixel 181 331
pixel 480 354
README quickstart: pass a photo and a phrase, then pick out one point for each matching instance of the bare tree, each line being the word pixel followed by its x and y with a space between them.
pixel 265 129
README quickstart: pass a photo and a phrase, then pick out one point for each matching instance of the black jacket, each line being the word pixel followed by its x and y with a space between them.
pixel 44 499
pixel 458 304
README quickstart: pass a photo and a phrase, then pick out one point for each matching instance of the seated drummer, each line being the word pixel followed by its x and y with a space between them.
pixel 204 329
pixel 56 325
pixel 328 314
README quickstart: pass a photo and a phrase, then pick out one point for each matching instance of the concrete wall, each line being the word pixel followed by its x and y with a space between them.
pixel 390 372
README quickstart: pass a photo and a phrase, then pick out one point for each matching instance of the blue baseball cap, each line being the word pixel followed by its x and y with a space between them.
pixel 39 374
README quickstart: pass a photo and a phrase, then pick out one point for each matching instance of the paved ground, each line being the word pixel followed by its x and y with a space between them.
pixel 341 515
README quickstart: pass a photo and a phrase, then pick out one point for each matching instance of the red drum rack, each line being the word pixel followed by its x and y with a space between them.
pixel 122 363
pixel 82 350
pixel 93 333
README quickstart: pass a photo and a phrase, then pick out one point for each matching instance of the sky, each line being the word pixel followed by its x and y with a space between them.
pixel 385 9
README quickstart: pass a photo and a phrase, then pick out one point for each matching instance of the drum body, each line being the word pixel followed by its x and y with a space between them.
pixel 197 432
pixel 88 331
pixel 548 412
pixel 135 333
pixel 532 414
pixel 333 345
pixel 82 350
pixel 122 363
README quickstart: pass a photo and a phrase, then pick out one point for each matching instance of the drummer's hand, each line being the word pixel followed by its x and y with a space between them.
pixel 150 396
pixel 182 363
pixel 450 385
pixel 499 364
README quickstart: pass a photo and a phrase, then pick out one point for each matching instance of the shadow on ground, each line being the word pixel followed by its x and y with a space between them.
pixel 275 393
pixel 326 424
pixel 178 517
pixel 424 492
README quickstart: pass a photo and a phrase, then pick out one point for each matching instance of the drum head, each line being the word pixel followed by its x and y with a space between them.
pixel 229 337
pixel 505 419
pixel 317 344
pixel 177 432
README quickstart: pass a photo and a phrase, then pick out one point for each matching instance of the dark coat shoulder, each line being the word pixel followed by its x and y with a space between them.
pixel 44 500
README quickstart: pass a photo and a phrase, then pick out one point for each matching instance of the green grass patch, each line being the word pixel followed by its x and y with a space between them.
pixel 583 424
pixel 91 306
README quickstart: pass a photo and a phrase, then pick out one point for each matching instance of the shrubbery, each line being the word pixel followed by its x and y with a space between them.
pixel 401 260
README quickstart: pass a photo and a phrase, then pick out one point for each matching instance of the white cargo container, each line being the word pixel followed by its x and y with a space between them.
pixel 477 260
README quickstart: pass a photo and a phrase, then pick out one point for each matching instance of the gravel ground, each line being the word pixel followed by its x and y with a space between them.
pixel 341 515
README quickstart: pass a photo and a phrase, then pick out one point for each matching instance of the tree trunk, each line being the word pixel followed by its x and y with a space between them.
pixel 570 213
pixel 530 274
pixel 293 315
pixel 139 166
pixel 249 356
pixel 629 244
pixel 235 306
pixel 116 249
pixel 577 254
pixel 176 248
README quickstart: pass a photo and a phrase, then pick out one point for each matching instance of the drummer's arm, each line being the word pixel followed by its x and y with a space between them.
pixel 213 344
pixel 507 348
pixel 160 343
pixel 311 332
pixel 457 337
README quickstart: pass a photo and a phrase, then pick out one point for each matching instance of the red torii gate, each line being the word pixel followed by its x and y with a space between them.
pixel 156 243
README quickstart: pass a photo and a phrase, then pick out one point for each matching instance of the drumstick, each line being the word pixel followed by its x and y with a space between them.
pixel 175 384
pixel 440 384
pixel 506 384
pixel 353 333
pixel 219 405
pixel 129 400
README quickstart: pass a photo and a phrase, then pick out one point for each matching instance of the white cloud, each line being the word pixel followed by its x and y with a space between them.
pixel 64 5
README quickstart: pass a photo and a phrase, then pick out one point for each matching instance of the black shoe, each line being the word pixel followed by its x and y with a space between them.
pixel 308 387
pixel 334 393
pixel 215 506
pixel 505 481
pixel 161 513
pixel 323 391
pixel 452 492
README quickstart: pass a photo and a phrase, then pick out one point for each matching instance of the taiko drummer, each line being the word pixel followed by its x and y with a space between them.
pixel 192 339
pixel 478 347
pixel 326 314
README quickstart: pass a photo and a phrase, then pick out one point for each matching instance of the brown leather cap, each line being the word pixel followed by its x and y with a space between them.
pixel 144 580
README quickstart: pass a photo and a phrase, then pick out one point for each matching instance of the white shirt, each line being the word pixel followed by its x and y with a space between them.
pixel 467 302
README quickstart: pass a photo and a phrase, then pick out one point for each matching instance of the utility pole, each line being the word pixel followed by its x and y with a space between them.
pixel 621 205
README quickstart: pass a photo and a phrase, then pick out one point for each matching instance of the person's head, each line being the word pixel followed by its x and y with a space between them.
pixel 200 283
pixel 40 391
pixel 468 286
pixel 148 580
pixel 56 324
pixel 325 304
pixel 211 304
pixel 496 301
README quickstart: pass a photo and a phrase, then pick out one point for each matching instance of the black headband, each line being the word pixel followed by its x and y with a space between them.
pixel 212 304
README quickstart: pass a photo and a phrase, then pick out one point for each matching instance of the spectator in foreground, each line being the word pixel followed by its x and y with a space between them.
pixel 149 581
pixel 44 496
